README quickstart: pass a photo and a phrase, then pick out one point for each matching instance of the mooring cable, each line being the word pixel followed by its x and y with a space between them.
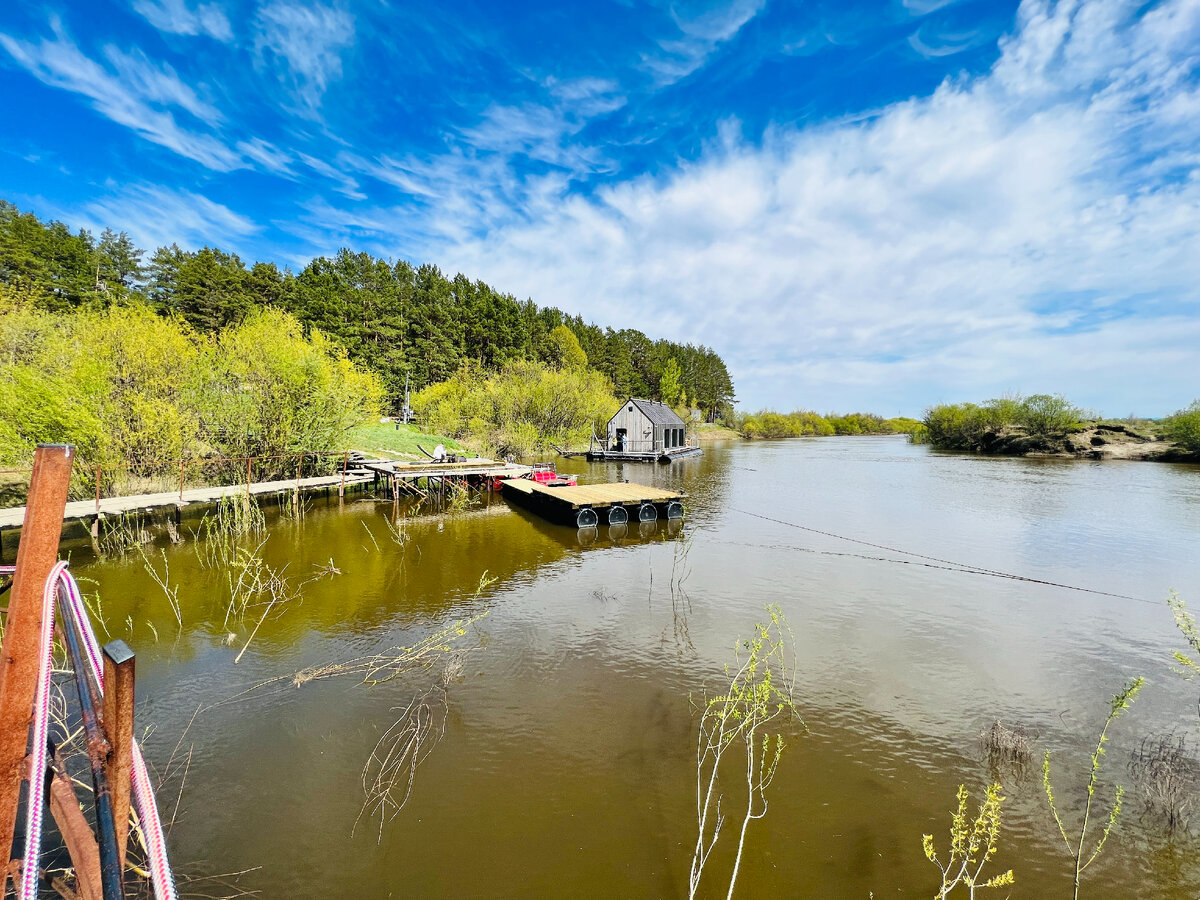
pixel 948 564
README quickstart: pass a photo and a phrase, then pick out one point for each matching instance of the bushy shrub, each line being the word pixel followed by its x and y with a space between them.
pixel 134 390
pixel 520 410
pixel 963 426
pixel 1184 427
pixel 1043 414
pixel 955 426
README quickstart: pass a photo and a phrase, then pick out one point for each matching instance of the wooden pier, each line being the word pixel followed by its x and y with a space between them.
pixel 405 478
pixel 585 505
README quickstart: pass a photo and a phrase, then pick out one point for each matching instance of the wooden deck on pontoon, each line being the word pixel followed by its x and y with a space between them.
pixel 566 504
pixel 580 495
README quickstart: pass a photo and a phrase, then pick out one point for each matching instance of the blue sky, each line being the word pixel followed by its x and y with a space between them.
pixel 860 206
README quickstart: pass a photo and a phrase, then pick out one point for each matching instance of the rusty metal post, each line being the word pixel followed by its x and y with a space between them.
pixel 98 746
pixel 118 726
pixel 182 463
pixel 36 555
pixel 299 467
pixel 345 463
pixel 249 463
pixel 97 491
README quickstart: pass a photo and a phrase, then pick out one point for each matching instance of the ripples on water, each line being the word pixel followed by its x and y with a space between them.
pixel 567 768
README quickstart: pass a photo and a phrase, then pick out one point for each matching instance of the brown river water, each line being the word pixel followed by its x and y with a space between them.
pixel 567 765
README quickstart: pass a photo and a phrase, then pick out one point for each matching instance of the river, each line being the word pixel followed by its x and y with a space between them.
pixel 567 764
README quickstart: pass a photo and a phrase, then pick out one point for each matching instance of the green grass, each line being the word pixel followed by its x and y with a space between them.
pixel 387 438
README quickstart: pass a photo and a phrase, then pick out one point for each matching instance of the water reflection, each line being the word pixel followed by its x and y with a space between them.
pixel 567 766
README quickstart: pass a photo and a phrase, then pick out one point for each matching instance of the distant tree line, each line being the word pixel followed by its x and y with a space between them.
pixel 399 320
pixel 768 424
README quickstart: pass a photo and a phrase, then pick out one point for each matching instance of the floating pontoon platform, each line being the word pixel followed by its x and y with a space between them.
pixel 662 456
pixel 584 505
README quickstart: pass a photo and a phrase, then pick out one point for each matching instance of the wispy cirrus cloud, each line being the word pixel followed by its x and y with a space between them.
pixel 932 43
pixel 512 158
pixel 156 216
pixel 302 43
pixel 132 91
pixel 700 34
pixel 178 17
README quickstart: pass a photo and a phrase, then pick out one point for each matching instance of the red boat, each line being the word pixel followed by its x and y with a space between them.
pixel 545 473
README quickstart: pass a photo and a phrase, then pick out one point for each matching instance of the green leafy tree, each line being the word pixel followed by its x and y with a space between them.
pixel 565 352
pixel 669 387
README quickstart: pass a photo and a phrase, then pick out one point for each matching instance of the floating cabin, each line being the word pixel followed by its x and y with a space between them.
pixel 644 431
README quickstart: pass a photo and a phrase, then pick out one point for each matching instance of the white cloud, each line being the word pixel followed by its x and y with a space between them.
pixel 478 181
pixel 156 216
pixel 266 155
pixel 932 43
pixel 1035 228
pixel 303 42
pixel 176 17
pixel 158 84
pixel 136 93
pixel 700 35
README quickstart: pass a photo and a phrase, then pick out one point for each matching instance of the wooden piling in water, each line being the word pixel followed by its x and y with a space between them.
pixel 19 657
pixel 119 670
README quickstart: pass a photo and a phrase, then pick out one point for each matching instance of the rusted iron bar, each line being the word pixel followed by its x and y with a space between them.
pixel 182 463
pixel 97 474
pixel 111 882
pixel 345 464
pixel 119 671
pixel 76 834
pixel 36 555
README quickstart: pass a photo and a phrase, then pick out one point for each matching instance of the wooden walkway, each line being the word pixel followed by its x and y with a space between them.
pixel 14 517
pixel 431 469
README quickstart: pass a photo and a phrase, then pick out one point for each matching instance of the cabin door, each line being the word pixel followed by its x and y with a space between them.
pixel 621 439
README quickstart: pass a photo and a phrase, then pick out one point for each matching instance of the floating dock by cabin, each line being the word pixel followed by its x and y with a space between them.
pixel 585 505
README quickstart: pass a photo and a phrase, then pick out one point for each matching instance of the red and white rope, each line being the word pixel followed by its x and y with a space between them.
pixel 37 756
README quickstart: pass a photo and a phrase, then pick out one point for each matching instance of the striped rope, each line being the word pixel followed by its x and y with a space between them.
pixel 37 757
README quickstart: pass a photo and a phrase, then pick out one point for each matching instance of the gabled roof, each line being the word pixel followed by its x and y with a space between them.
pixel 657 413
